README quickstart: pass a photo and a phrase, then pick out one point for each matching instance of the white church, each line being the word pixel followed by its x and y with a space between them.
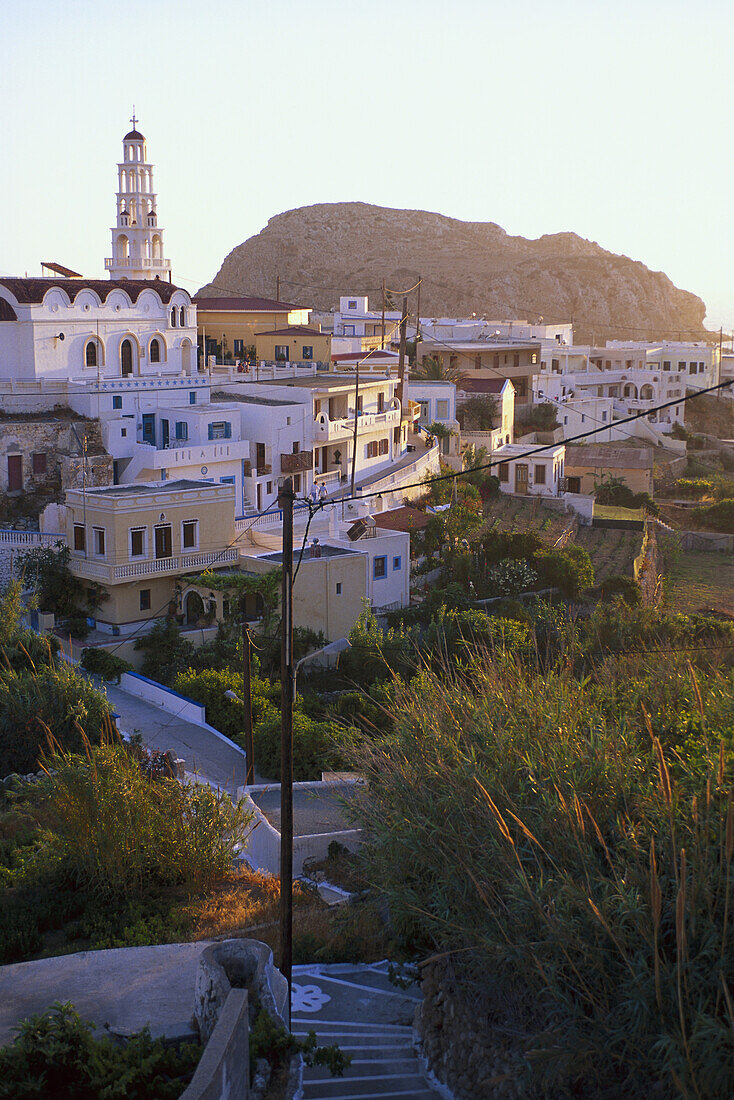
pixel 137 323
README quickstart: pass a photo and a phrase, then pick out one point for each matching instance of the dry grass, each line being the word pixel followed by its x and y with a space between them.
pixel 612 552
pixel 699 581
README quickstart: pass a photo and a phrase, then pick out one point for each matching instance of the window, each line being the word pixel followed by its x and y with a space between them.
pixel 297 483
pixel 603 417
pixel 192 398
pixel 516 359
pixel 39 462
pixel 190 534
pixel 681 366
pixel 98 539
pixel 182 317
pixel 694 368
pixel 380 402
pixel 80 537
pixel 701 368
pixel 380 567
pixel 349 330
pixel 145 599
pixel 352 305
pixel 540 475
pixel 556 366
pixel 155 351
pixel 281 353
pixel 495 361
pixel 504 471
pixel 123 432
pixel 308 351
pixel 126 358
pixel 425 410
pixel 138 542
pixel 338 588
pixel 182 430
pixel 173 316
pixel 666 364
pixel 91 354
pixel 220 429
pixel 268 487
pixel 163 541
pixel 296 447
pixel 397 563
pixel 239 347
pixel 442 410
pixel 534 357
pixel 117 402
pixel 384 446
pixel 521 385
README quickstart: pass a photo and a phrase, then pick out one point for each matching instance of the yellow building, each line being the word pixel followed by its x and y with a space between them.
pixel 329 590
pixel 294 344
pixel 227 326
pixel 588 464
pixel 137 540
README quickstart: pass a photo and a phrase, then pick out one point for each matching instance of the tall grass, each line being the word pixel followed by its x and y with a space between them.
pixel 119 831
pixel 573 839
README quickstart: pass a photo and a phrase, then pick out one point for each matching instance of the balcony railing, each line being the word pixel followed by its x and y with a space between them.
pixel 137 261
pixel 295 463
pixel 84 567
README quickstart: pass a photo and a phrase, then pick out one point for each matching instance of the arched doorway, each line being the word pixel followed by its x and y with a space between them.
pixel 186 356
pixel 193 608
pixel 126 358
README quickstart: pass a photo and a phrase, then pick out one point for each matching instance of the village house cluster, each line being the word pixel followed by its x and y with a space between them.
pixel 162 425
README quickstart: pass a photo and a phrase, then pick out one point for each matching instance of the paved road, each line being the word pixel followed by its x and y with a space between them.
pixel 218 761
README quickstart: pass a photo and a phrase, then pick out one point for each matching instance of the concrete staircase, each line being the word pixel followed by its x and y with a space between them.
pixel 369 1018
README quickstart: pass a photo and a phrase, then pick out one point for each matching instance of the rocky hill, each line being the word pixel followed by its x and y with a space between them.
pixel 467 267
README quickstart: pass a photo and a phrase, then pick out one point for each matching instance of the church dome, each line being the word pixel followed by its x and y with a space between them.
pixel 134 135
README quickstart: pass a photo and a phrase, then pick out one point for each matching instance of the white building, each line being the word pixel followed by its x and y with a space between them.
pixel 361 327
pixel 502 391
pixel 91 329
pixel 631 391
pixel 529 473
pixel 697 362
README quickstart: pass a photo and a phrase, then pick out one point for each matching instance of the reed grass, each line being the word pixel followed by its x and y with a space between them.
pixel 559 836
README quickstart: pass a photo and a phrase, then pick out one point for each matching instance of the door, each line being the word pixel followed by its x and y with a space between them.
pixel 163 542
pixel 126 358
pixel 15 473
pixel 521 477
pixel 165 433
pixel 149 428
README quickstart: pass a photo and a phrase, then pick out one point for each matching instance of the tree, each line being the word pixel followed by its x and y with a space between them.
pixel 478 413
pixel 166 652
pixel 46 569
pixel 433 369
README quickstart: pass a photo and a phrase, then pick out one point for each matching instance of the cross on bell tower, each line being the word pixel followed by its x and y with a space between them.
pixel 137 240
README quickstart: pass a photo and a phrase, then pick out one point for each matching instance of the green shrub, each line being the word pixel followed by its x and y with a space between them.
pixel 623 588
pixel 77 626
pixel 718 517
pixel 105 664
pixel 55 700
pixel 208 687
pixel 166 653
pixel 56 1054
pixel 314 747
pixel 569 569
pixel 508 578
pixel 693 488
pixel 117 830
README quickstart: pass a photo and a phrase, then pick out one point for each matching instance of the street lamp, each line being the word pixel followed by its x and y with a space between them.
pixel 330 650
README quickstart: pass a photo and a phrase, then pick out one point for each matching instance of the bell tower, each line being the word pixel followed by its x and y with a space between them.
pixel 137 242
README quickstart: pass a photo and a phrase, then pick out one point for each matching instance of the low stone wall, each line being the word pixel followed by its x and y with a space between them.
pixel 648 567
pixel 707 541
pixel 224 1070
pixel 459 1046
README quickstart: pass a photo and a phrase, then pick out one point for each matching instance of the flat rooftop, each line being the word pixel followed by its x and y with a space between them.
pixel 249 399
pixel 324 381
pixel 308 554
pixel 315 810
pixel 150 488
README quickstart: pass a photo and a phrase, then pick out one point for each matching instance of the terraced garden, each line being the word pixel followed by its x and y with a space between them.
pixel 612 552
pixel 698 581
pixel 508 513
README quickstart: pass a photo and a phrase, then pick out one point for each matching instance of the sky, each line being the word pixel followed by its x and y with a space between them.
pixel 610 120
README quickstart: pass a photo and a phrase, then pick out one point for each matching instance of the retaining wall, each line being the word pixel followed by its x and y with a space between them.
pixel 708 541
pixel 224 1070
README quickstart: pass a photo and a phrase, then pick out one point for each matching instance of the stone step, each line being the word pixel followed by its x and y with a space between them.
pixel 375 1067
pixel 336 1088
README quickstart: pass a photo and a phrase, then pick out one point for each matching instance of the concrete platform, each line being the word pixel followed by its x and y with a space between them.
pixel 122 989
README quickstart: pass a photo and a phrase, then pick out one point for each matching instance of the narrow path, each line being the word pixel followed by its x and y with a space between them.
pixel 369 1018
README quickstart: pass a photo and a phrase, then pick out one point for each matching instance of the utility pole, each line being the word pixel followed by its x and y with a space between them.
pixel 287 691
pixel 247 700
pixel 401 360
pixel 277 291
pixel 356 427
pixel 382 344
pixel 418 320
pixel 717 375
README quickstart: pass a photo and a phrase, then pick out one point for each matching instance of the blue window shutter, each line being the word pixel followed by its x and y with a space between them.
pixel 211 431
pixel 228 430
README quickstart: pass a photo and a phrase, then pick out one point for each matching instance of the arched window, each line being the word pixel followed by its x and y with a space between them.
pixel 91 354
pixel 173 316
pixel 123 247
pixel 182 317
pixel 126 357
pixel 155 351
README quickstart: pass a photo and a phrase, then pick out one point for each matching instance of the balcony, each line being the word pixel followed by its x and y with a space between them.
pixel 178 453
pixel 295 463
pixel 137 262
pixel 157 567
pixel 328 431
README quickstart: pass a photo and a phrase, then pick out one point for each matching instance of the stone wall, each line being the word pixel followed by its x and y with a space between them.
pixel 58 437
pixel 461 1047
pixel 648 567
